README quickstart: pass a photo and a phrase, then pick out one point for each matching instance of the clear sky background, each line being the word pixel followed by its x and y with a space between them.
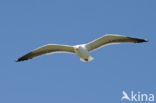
pixel 63 78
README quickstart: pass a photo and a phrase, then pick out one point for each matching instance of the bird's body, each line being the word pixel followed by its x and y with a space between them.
pixel 81 50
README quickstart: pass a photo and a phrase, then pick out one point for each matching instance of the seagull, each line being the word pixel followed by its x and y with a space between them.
pixel 81 50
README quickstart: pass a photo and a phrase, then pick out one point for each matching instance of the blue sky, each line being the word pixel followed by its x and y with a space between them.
pixel 63 78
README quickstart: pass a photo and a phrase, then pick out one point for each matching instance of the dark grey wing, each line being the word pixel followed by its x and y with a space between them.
pixel 111 39
pixel 50 48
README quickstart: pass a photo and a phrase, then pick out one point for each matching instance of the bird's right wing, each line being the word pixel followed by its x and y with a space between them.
pixel 50 48
pixel 111 39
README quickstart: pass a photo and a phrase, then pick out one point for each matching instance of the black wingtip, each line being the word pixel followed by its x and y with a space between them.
pixel 138 40
pixel 142 40
pixel 19 60
pixel 25 57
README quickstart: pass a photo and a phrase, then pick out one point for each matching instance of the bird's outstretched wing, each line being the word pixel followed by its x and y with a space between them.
pixel 50 48
pixel 111 39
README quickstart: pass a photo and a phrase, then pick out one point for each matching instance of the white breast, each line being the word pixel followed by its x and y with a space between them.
pixel 83 53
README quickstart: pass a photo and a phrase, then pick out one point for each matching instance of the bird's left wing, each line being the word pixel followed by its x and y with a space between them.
pixel 111 39
pixel 50 48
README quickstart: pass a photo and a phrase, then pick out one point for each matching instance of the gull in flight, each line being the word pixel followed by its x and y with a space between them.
pixel 81 50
